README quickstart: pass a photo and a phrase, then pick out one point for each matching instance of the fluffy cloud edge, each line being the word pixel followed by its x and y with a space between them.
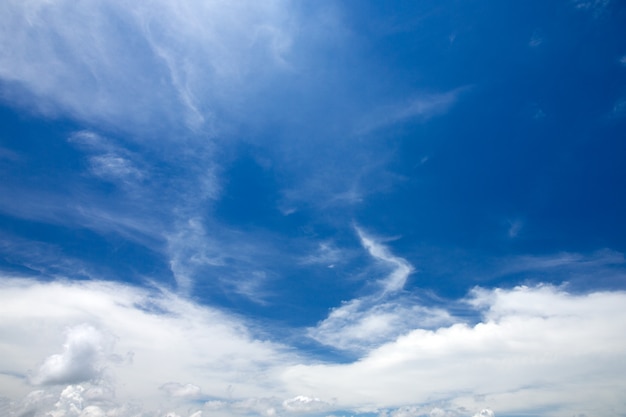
pixel 536 348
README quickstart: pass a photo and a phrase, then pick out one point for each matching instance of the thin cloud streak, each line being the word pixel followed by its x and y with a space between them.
pixel 420 108
pixel 395 281
pixel 364 323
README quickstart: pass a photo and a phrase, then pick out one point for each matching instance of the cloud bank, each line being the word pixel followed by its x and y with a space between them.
pixel 123 349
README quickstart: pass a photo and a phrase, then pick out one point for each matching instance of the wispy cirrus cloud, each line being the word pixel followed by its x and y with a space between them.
pixel 363 323
pixel 419 108
pixel 180 83
pixel 536 39
pixel 401 269
pixel 115 168
pixel 200 57
pixel 594 5
pixel 109 161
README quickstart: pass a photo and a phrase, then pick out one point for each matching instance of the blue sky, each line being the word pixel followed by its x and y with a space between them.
pixel 278 208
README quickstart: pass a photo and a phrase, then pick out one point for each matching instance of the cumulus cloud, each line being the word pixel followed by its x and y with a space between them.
pixel 175 389
pixel 169 339
pixel 532 348
pixel 302 403
pixel 82 400
pixel 79 362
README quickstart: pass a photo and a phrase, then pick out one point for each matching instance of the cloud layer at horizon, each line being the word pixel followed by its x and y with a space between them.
pixel 134 345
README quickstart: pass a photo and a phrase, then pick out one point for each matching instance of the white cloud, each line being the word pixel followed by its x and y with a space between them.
pixel 174 389
pixel 90 141
pixel 189 249
pixel 302 403
pixel 79 362
pixel 363 323
pixel 114 167
pixel 326 254
pixel 169 339
pixel 564 265
pixel 401 268
pixel 535 349
pixel 107 160
pixel 140 65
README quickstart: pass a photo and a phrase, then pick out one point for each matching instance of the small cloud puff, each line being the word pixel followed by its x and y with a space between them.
pixel 594 6
pixel 326 254
pixel 536 39
pixel 174 389
pixel 515 226
pixel 115 168
pixel 80 361
pixel 619 108
pixel 303 403
pixel 88 140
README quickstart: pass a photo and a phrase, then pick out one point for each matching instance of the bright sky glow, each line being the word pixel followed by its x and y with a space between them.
pixel 326 209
